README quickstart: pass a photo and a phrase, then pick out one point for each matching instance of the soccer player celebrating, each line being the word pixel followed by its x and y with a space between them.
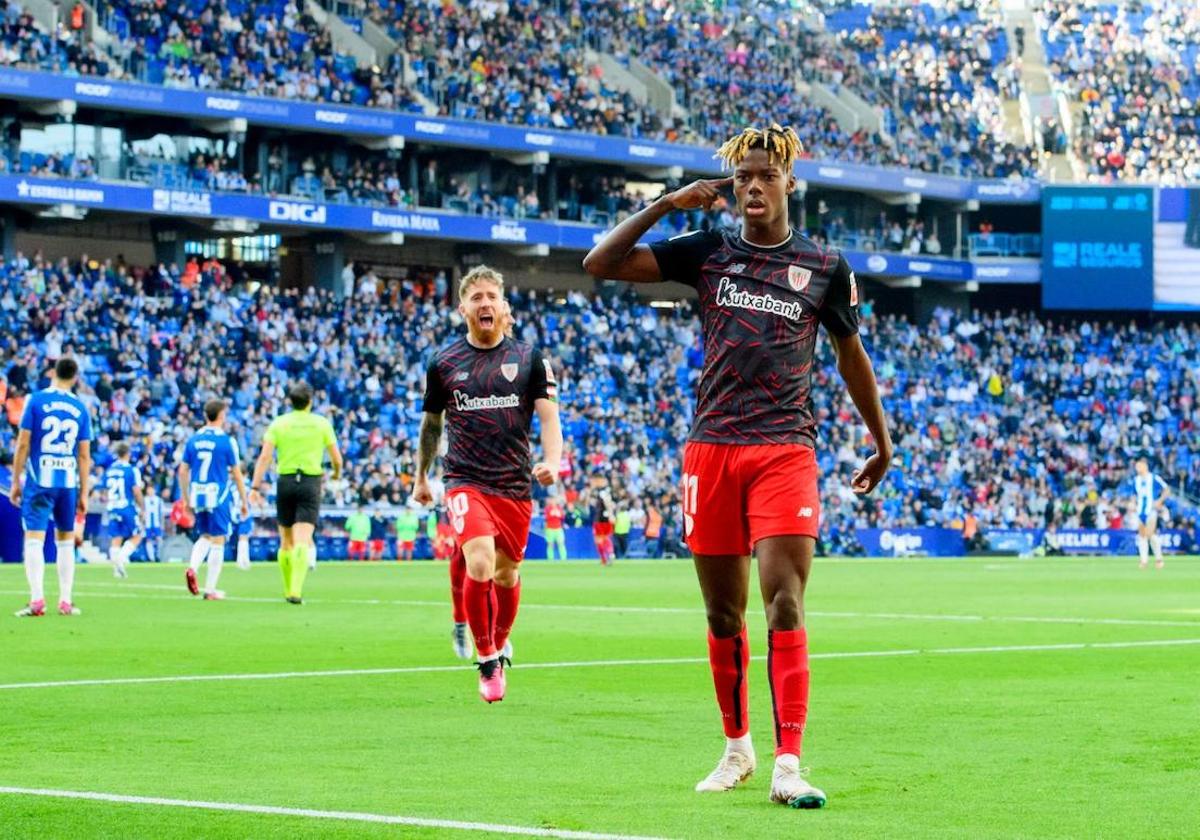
pixel 50 474
pixel 126 507
pixel 301 439
pixel 1151 492
pixel 489 386
pixel 749 469
pixel 210 460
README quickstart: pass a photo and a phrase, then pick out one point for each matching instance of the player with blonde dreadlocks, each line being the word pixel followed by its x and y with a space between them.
pixel 749 468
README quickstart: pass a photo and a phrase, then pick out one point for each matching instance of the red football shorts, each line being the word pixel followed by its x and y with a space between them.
pixel 377 546
pixel 734 496
pixel 474 513
pixel 358 547
pixel 407 545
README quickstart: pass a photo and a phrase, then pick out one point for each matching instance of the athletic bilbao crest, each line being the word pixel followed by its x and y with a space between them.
pixel 798 277
pixel 509 371
pixel 853 290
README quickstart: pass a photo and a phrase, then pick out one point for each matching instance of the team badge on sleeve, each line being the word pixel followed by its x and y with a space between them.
pixel 853 290
pixel 798 277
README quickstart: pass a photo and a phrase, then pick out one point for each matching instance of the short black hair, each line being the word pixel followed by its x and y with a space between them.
pixel 66 368
pixel 213 409
pixel 301 395
pixel 121 449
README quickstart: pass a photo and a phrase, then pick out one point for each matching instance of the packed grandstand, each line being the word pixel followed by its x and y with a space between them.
pixel 1015 420
pixel 937 71
pixel 1011 420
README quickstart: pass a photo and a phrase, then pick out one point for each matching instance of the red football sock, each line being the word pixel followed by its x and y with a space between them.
pixel 508 599
pixel 730 662
pixel 458 574
pixel 787 670
pixel 480 599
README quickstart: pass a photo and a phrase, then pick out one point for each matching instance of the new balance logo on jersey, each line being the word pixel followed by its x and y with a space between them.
pixel 462 376
pixel 728 294
pixel 737 268
pixel 465 402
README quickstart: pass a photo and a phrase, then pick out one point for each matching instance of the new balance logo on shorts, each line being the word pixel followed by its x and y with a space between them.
pixel 805 513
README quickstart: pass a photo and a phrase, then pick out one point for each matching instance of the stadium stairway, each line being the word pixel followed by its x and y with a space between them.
pixel 345 39
pixel 847 116
pixel 46 13
pixel 659 93
pixel 1174 265
pixel 615 76
pixel 867 115
pixel 1038 97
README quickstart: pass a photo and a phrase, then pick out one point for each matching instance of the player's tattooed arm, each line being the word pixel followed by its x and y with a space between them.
pixel 427 449
pixel 430 440
pixel 854 366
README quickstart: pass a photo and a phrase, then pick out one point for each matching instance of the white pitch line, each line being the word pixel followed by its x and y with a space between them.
pixel 604 663
pixel 613 608
pixel 348 816
pixel 1030 619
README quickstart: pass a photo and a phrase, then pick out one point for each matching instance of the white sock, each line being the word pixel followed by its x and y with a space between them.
pixel 311 550
pixel 35 570
pixel 151 551
pixel 114 557
pixel 1143 545
pixel 787 761
pixel 127 552
pixel 216 556
pixel 1156 544
pixel 243 551
pixel 199 552
pixel 65 563
pixel 739 745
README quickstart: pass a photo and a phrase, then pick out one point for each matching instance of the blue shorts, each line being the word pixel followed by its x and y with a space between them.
pixel 123 524
pixel 154 533
pixel 40 505
pixel 215 522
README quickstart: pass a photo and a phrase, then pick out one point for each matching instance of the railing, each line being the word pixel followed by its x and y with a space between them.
pixel 1004 245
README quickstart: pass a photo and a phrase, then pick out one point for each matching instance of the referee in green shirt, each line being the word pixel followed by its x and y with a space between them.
pixel 300 439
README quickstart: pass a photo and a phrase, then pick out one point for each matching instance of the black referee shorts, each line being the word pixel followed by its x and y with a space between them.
pixel 297 499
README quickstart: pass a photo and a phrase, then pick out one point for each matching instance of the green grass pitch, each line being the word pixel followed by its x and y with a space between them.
pixel 1003 698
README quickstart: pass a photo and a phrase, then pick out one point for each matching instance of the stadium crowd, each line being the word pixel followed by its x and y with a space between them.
pixel 1136 69
pixel 1008 419
pixel 531 63
pixel 941 72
